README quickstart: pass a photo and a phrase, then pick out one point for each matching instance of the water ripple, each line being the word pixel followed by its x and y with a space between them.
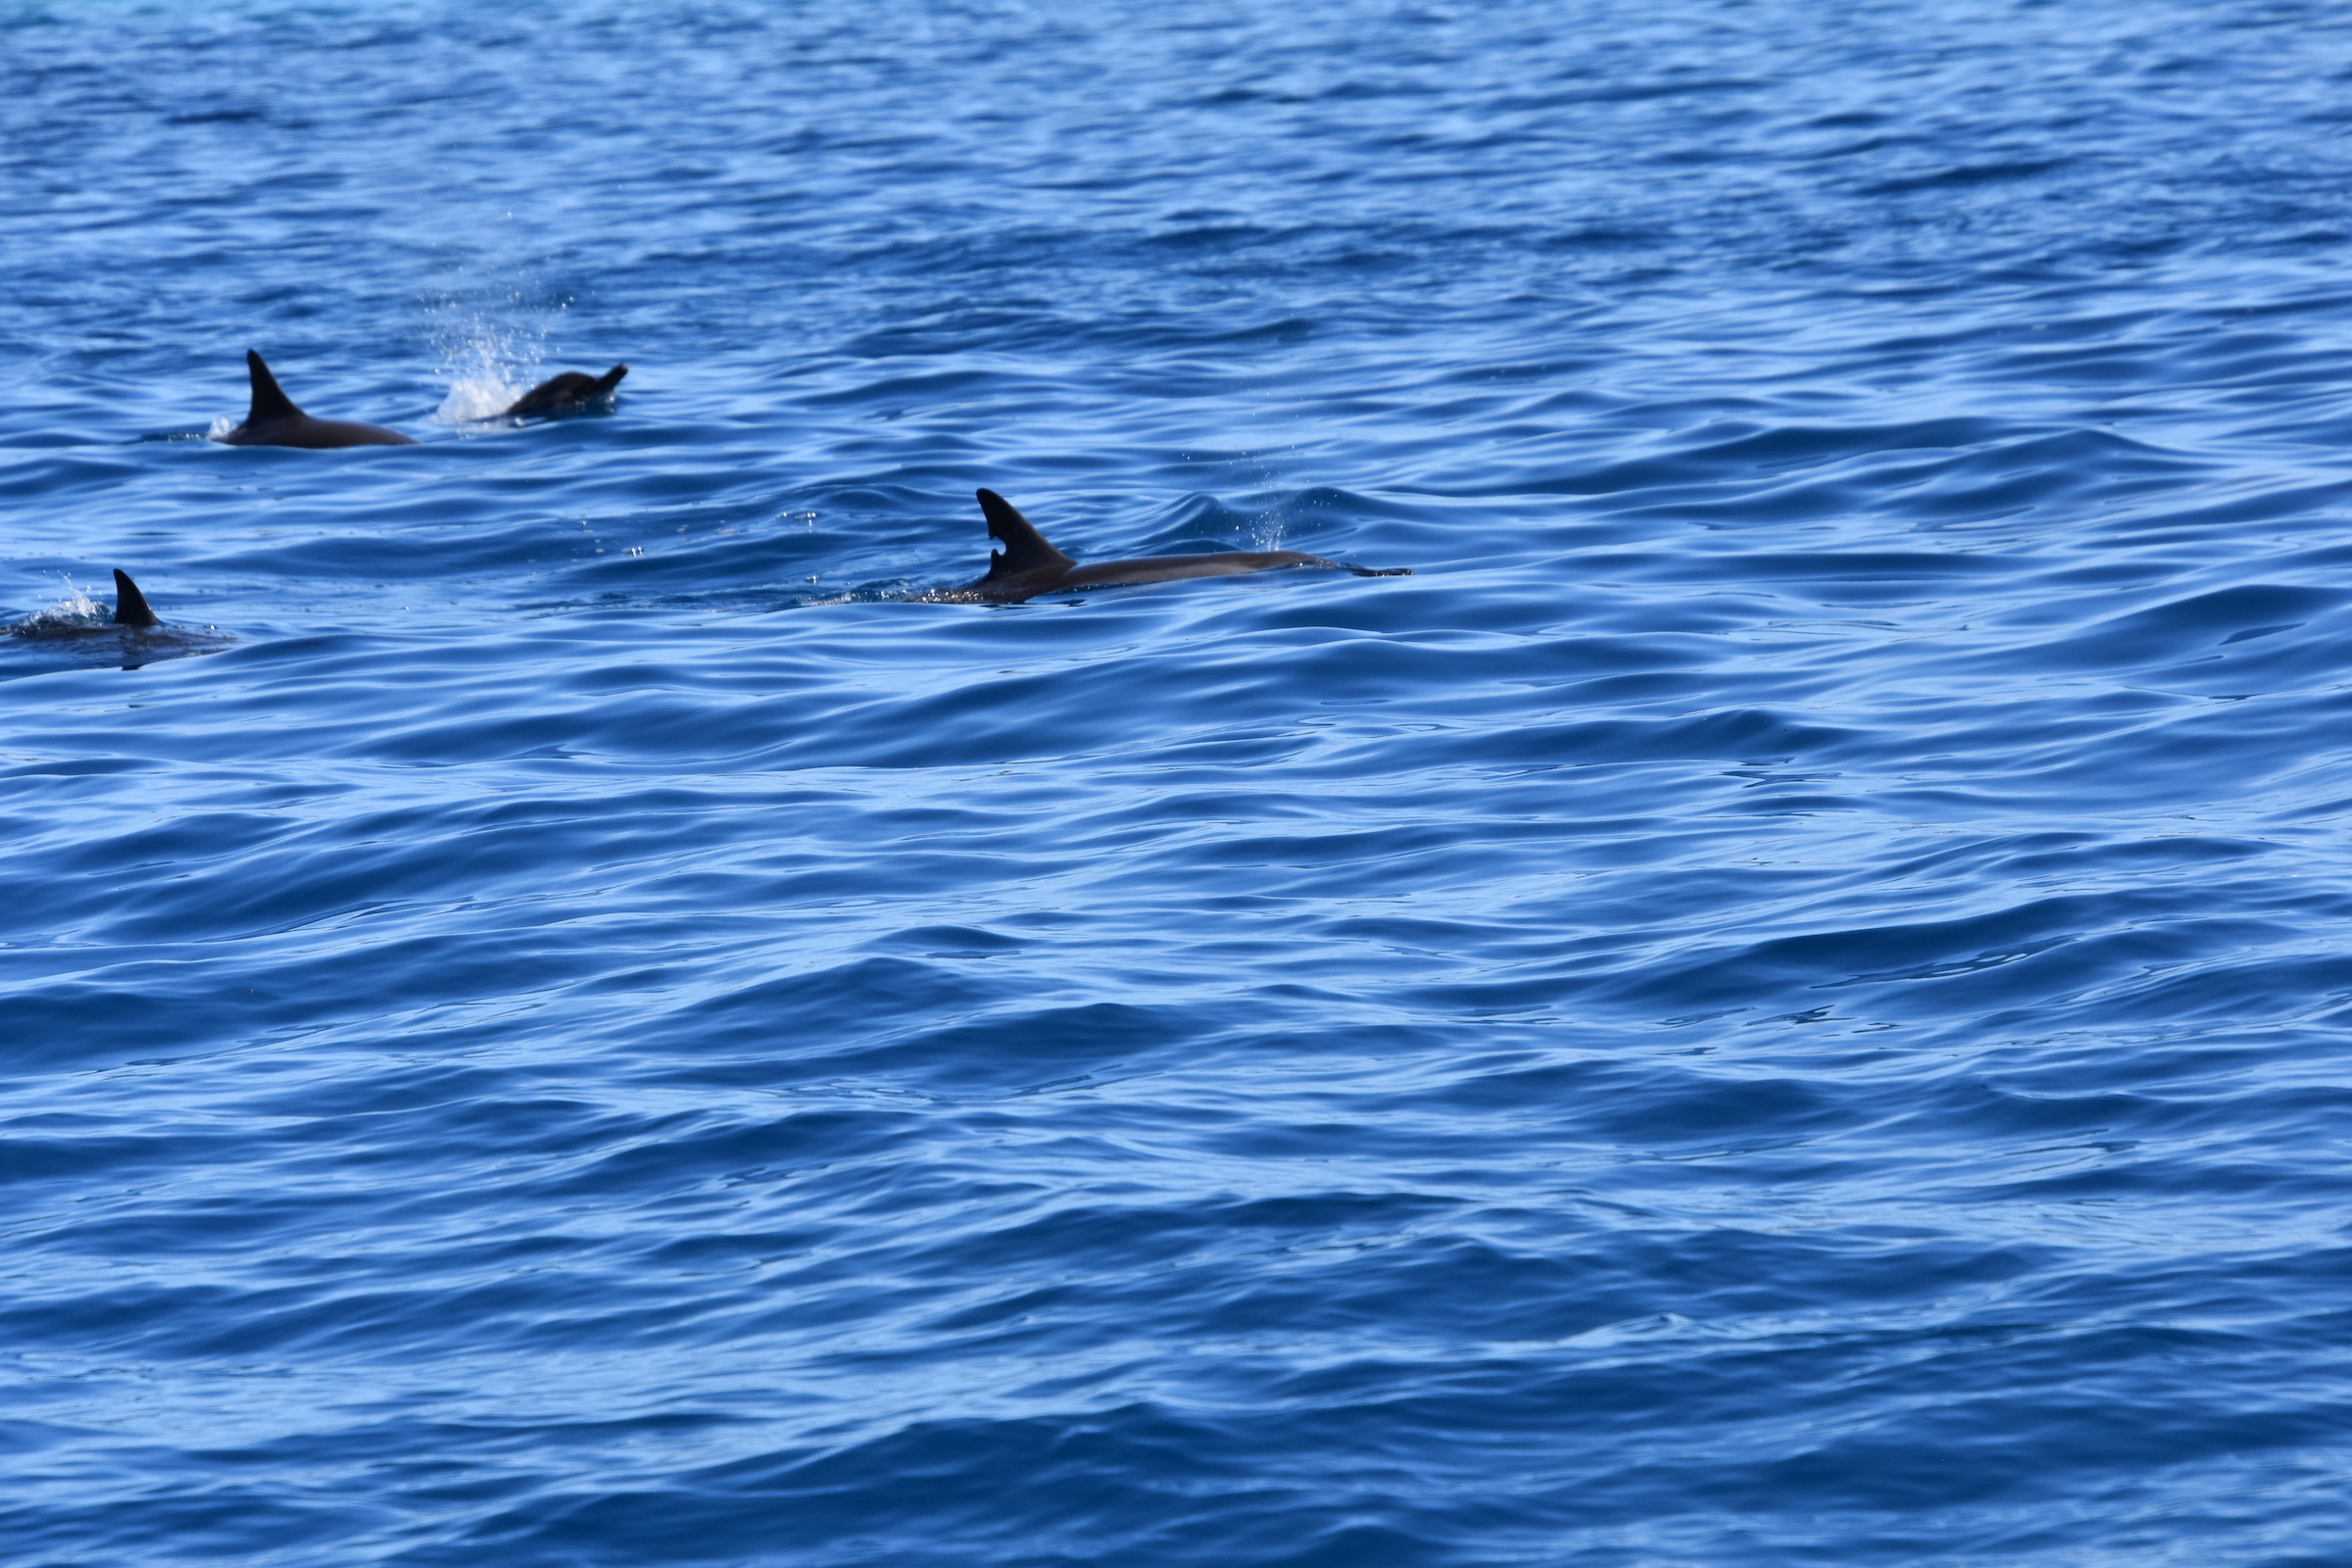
pixel 1773 1002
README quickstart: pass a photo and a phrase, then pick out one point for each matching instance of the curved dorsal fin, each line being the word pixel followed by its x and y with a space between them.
pixel 270 401
pixel 605 382
pixel 130 605
pixel 1025 549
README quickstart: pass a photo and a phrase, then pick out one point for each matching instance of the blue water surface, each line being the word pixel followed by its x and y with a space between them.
pixel 1781 1001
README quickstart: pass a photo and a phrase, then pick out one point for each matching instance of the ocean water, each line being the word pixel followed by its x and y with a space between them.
pixel 1781 1001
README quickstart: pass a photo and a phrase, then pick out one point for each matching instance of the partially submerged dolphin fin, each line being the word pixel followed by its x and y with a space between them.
pixel 130 605
pixel 1025 549
pixel 270 401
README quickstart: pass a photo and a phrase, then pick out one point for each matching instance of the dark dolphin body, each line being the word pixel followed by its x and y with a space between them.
pixel 273 420
pixel 1028 565
pixel 567 393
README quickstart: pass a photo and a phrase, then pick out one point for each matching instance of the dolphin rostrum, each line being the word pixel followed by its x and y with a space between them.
pixel 567 393
pixel 273 420
pixel 1028 565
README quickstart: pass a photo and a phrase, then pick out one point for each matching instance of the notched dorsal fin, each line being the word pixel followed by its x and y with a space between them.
pixel 1025 549
pixel 130 605
pixel 270 401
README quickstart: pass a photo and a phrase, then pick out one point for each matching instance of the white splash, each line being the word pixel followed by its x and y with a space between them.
pixel 474 398
pixel 490 360
pixel 76 609
pixel 221 426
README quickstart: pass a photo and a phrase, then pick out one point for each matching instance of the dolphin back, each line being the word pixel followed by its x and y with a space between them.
pixel 562 393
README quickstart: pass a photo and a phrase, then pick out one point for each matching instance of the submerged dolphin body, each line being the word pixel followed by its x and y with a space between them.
pixel 273 420
pixel 133 612
pixel 567 393
pixel 135 636
pixel 1028 565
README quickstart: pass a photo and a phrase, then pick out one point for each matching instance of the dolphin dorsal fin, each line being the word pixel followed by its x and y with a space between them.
pixel 270 401
pixel 130 605
pixel 605 382
pixel 1025 549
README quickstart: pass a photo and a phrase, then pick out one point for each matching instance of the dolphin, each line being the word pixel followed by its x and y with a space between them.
pixel 136 635
pixel 273 420
pixel 567 393
pixel 1028 565
pixel 133 612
